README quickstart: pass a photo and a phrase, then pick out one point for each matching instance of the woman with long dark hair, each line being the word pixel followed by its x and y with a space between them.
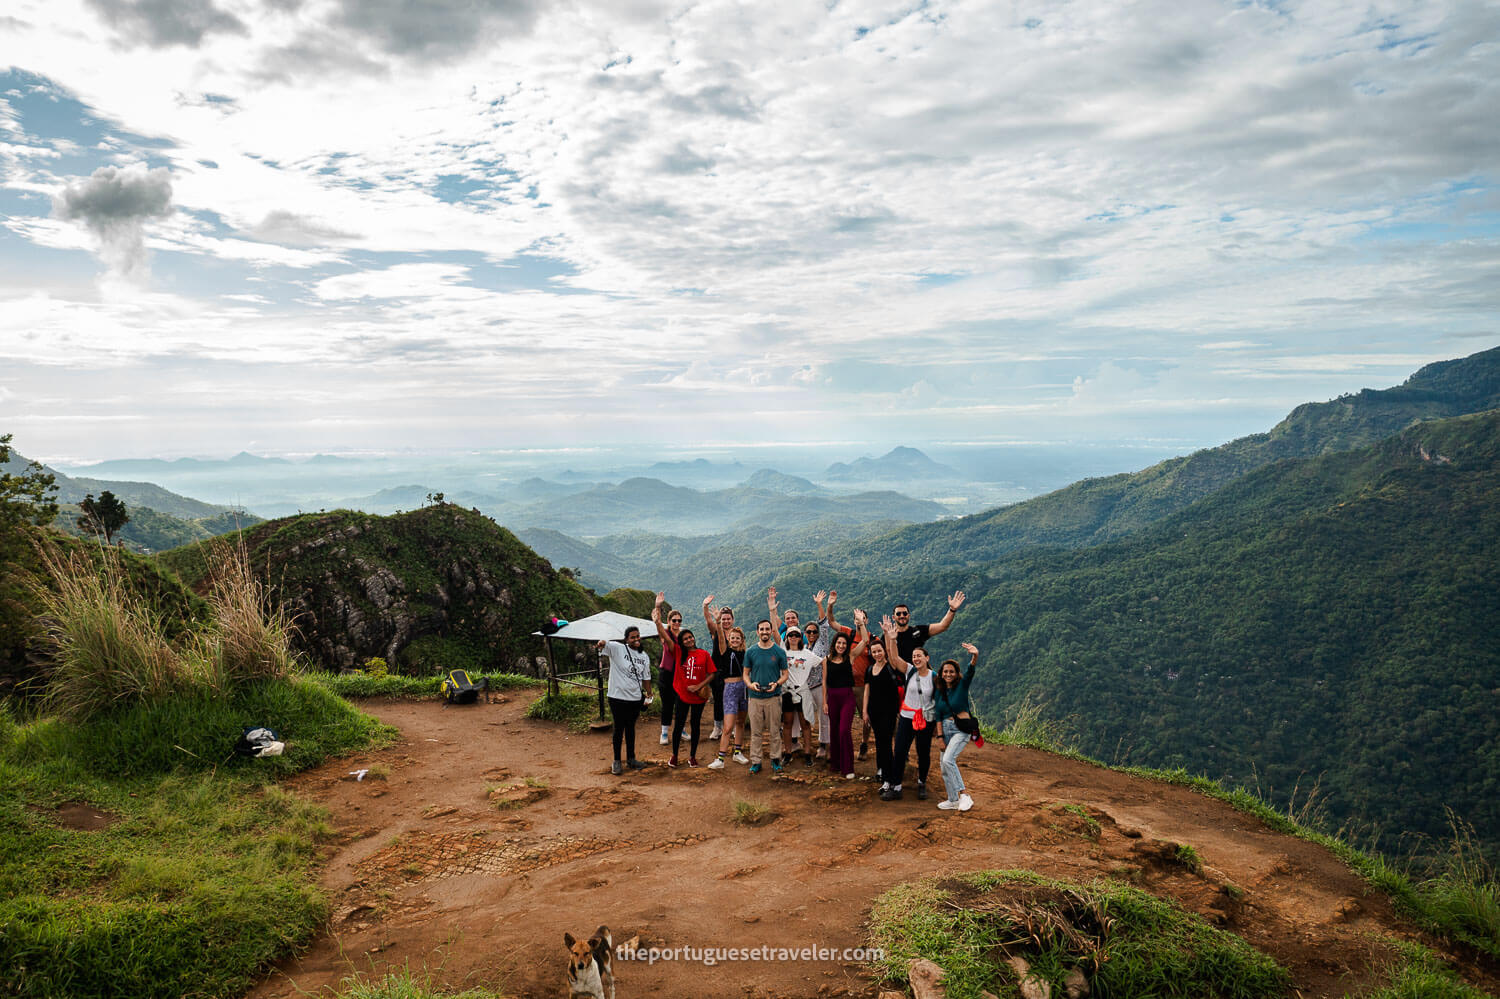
pixel 951 704
pixel 882 701
pixel 838 703
pixel 916 715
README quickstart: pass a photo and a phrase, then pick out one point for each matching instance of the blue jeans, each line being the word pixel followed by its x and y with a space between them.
pixel 954 743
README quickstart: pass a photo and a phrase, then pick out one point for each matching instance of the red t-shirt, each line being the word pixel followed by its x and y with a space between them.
pixel 692 669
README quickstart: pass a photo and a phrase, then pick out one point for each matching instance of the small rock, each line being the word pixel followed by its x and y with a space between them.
pixel 926 979
pixel 1076 985
pixel 1033 987
pixel 1023 968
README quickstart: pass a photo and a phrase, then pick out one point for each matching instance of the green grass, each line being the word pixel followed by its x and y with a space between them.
pixel 750 813
pixel 353 685
pixel 1188 857
pixel 405 985
pixel 1421 974
pixel 205 877
pixel 573 709
pixel 1127 942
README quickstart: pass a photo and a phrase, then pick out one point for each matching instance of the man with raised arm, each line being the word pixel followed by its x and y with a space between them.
pixel 911 636
pixel 765 676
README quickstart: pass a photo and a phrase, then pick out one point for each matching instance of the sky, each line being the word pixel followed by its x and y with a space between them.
pixel 289 226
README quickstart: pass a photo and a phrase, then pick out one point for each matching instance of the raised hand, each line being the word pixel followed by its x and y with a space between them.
pixel 860 619
pixel 887 626
pixel 970 648
pixel 771 598
pixel 661 597
pixel 819 597
pixel 956 601
pixel 708 600
pixel 833 597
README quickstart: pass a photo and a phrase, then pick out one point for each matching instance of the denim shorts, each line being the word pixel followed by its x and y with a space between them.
pixel 735 698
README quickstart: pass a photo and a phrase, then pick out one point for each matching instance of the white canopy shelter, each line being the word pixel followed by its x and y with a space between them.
pixel 603 625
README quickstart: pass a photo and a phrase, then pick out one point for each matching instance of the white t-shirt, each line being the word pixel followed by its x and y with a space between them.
pixel 919 693
pixel 628 670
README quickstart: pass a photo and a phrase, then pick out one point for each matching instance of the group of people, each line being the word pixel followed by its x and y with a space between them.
pixel 813 680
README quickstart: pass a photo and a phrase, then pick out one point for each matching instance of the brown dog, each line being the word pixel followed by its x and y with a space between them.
pixel 591 965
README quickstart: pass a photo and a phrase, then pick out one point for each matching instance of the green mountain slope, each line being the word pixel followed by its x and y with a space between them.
pixel 436 588
pixel 1104 509
pixel 1331 621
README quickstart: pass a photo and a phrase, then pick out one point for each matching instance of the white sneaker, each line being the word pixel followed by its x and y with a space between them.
pixel 665 736
pixel 717 764
pixel 718 733
pixel 965 802
pixel 740 757
pixel 848 776
pixel 945 804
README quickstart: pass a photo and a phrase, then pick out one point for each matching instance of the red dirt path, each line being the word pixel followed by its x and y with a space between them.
pixel 430 874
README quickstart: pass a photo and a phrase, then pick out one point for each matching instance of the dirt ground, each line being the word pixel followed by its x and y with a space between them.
pixel 480 837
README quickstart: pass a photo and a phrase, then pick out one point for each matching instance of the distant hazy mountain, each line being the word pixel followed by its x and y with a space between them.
pixel 134 467
pixel 772 481
pixel 72 489
pixel 896 465
pixel 644 504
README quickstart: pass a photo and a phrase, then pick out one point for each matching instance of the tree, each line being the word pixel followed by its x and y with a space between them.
pixel 104 515
pixel 27 497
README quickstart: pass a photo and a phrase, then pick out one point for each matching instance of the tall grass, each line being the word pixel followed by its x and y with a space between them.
pixel 250 638
pixel 106 642
pixel 1464 897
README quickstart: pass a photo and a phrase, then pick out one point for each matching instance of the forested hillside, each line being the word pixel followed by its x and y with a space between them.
pixel 430 590
pixel 1332 621
pixel 1104 509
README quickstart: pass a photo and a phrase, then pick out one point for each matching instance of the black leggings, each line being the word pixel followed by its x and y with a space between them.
pixel 624 713
pixel 717 683
pixel 883 725
pixel 684 710
pixel 667 694
pixel 905 736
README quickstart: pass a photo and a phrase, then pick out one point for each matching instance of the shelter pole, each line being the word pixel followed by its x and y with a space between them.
pixel 552 690
pixel 599 678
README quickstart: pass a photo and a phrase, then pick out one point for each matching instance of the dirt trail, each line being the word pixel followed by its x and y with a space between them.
pixel 430 874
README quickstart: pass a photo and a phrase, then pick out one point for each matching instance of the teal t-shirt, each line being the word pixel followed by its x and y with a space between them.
pixel 765 667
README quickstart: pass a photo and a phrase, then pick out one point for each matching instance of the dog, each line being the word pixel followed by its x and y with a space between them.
pixel 591 965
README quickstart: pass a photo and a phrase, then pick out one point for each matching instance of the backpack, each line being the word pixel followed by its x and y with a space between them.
pixel 457 688
pixel 258 741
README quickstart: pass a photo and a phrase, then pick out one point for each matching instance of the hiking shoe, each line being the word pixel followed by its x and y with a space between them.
pixel 755 768
pixel 672 762
pixel 717 764
pixel 921 790
pixel 776 769
pixel 891 794
pixel 740 757
pixel 665 735
pixel 809 761
pixel 822 753
pixel 965 802
pixel 616 769
pixel 945 804
pixel 718 733
pixel 848 776
pixel 692 761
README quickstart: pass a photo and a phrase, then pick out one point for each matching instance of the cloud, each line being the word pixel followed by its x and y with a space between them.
pixel 297 230
pixel 160 23
pixel 115 205
pixel 434 28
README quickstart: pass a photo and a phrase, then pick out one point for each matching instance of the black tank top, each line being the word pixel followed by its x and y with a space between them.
pixel 729 663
